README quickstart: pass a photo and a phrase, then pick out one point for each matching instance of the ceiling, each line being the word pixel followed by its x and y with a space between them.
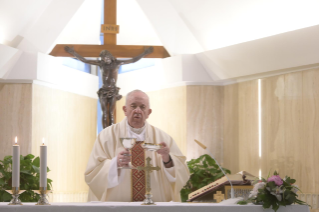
pixel 230 38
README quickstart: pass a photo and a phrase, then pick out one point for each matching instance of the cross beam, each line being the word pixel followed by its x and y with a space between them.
pixel 109 42
pixel 124 51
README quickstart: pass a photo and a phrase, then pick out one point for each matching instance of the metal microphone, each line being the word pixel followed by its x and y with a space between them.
pixel 232 193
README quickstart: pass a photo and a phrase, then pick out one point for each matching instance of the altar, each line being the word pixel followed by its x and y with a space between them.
pixel 137 207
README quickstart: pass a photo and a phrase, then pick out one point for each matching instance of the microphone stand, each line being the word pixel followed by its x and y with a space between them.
pixel 232 193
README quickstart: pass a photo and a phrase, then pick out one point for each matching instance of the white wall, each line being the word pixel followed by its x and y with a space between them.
pixel 169 72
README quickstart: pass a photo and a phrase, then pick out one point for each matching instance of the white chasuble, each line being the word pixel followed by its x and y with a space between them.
pixel 102 164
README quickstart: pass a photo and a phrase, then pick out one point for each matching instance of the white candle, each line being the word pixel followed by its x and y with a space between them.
pixel 16 164
pixel 43 165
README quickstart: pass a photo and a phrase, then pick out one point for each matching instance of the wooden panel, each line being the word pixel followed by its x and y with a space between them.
pixel 68 123
pixel 117 51
pixel 289 127
pixel 309 143
pixel 15 117
pixel 204 118
pixel 119 111
pixel 168 114
pixel 248 127
pixel 291 163
pixel 273 124
pixel 231 140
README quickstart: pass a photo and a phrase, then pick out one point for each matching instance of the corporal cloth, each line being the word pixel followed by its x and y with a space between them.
pixel 108 145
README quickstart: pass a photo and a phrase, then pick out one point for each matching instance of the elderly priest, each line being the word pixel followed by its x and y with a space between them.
pixel 108 183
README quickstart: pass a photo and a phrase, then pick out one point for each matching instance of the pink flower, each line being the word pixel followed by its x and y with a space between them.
pixel 278 181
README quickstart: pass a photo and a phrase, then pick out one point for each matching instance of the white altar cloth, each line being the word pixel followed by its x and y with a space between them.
pixel 137 207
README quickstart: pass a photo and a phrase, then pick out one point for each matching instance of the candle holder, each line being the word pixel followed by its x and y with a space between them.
pixel 15 192
pixel 43 193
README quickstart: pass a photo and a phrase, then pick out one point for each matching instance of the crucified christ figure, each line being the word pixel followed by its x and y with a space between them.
pixel 109 93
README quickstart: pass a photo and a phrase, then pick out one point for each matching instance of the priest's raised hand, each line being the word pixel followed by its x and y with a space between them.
pixel 123 158
pixel 164 152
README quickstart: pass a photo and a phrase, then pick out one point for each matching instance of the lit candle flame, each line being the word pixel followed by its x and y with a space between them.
pixel 16 140
pixel 42 141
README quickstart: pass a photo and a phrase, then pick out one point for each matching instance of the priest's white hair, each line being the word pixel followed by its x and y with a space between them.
pixel 134 91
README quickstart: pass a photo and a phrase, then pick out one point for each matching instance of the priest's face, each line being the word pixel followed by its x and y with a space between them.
pixel 137 109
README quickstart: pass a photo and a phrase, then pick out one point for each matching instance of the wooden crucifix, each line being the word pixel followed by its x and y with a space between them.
pixel 109 65
pixel 148 169
pixel 119 51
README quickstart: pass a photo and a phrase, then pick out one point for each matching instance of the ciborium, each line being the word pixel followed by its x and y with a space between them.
pixel 151 146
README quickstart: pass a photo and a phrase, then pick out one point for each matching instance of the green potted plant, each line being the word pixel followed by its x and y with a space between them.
pixel 203 170
pixel 29 178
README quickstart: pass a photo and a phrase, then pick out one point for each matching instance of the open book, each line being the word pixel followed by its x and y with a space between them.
pixel 241 178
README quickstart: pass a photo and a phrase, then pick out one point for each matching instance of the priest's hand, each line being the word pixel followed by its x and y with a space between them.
pixel 123 158
pixel 164 152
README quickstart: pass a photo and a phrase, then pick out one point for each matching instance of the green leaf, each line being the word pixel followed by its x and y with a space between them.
pixel 2 181
pixel 275 207
pixel 184 194
pixel 8 157
pixel 36 169
pixel 26 172
pixel 5 197
pixel 7 160
pixel 213 170
pixel 219 175
pixel 243 202
pixel 24 162
pixel 29 156
pixel 227 171
pixel 210 160
pixel 36 162
pixel 266 204
pixel 272 184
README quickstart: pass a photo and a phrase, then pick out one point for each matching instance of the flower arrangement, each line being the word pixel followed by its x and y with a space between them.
pixel 274 192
